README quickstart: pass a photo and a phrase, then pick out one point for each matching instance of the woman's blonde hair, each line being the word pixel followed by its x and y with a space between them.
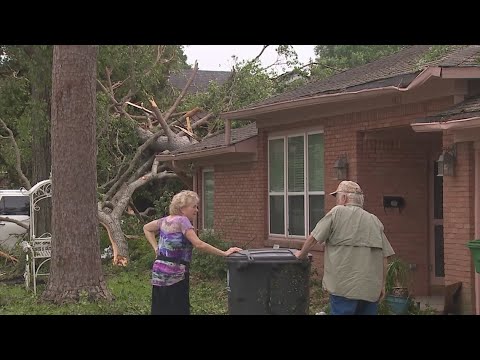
pixel 182 199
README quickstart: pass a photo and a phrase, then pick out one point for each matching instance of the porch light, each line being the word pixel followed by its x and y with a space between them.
pixel 446 162
pixel 340 167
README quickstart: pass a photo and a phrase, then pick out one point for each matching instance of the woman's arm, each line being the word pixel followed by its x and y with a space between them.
pixel 205 247
pixel 151 230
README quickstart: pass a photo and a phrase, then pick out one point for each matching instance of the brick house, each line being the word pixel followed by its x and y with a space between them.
pixel 389 121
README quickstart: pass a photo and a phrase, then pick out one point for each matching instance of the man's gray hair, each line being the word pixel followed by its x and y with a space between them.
pixel 354 198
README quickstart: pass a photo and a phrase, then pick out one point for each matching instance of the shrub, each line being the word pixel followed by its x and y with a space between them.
pixel 206 265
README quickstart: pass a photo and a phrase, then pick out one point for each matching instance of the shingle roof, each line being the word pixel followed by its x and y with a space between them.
pixel 238 134
pixel 201 81
pixel 466 109
pixel 398 69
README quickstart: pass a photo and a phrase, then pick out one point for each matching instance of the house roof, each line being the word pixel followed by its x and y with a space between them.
pixel 468 108
pixel 398 69
pixel 218 141
pixel 201 81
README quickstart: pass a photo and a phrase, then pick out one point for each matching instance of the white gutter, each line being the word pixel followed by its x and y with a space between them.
pixel 469 123
pixel 424 76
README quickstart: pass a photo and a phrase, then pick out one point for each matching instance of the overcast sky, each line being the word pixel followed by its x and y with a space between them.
pixel 219 57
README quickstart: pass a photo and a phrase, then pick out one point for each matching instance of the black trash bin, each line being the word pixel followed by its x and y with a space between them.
pixel 268 281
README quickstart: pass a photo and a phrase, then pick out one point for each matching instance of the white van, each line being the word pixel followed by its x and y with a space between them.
pixel 14 204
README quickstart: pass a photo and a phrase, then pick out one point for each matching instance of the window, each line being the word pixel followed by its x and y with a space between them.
pixel 296 183
pixel 207 191
pixel 14 205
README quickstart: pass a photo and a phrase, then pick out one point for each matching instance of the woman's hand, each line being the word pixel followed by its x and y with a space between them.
pixel 232 250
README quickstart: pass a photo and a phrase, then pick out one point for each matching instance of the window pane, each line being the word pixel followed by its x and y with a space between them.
pixel 315 162
pixel 296 215
pixel 316 205
pixel 208 186
pixel 276 169
pixel 17 205
pixel 277 215
pixel 295 164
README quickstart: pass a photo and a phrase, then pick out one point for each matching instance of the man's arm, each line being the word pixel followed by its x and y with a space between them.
pixel 320 233
pixel 309 243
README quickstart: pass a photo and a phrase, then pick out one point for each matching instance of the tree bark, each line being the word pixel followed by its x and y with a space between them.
pixel 41 158
pixel 76 267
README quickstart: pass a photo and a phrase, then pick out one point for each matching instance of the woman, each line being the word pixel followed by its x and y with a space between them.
pixel 170 273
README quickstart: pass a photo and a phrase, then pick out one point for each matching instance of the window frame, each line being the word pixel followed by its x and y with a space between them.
pixel 285 193
pixel 205 170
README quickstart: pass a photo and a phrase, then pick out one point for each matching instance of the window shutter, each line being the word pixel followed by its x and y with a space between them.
pixel 296 164
pixel 276 166
pixel 316 164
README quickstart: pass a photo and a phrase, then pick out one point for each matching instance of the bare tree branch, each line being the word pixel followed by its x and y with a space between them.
pixel 18 162
pixel 110 182
pixel 139 107
pixel 19 223
pixel 160 51
pixel 142 169
pixel 155 166
pixel 261 52
pixel 130 188
pixel 163 123
pixel 8 257
pixel 118 146
pixel 135 210
pixel 182 94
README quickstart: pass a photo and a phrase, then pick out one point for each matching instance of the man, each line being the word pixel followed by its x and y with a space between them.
pixel 356 252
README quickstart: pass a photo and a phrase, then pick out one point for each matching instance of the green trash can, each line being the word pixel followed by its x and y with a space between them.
pixel 474 247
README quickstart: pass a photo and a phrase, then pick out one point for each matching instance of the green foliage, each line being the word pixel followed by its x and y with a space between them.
pixel 207 266
pixel 138 68
pixel 25 111
pixel 165 195
pixel 435 52
pixel 332 59
pixel 398 275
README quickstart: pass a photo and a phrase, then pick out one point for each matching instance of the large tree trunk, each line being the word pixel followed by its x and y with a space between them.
pixel 75 265
pixel 41 159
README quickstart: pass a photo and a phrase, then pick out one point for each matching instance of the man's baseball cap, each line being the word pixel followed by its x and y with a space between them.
pixel 348 187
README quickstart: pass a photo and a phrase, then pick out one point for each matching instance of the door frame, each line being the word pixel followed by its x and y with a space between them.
pixel 434 280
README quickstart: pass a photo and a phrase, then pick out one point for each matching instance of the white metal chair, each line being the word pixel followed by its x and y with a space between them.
pixel 37 248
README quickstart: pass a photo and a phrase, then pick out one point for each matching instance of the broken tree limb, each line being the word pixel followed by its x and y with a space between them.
pixel 8 257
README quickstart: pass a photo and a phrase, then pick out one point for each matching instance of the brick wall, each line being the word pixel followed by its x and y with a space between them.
pixel 387 163
pixel 459 222
pixel 240 200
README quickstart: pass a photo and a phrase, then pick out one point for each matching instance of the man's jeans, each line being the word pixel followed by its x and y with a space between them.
pixel 340 305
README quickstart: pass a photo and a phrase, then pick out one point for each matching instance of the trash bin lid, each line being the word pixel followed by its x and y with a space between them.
pixel 474 244
pixel 266 255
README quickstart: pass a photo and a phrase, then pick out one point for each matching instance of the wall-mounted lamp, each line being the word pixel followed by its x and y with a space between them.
pixel 340 167
pixel 446 162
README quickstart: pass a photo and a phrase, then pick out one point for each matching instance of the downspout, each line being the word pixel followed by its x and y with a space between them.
pixel 476 146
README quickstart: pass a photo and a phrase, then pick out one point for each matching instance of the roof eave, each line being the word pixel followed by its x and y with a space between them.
pixel 197 154
pixel 468 123
pixel 423 77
